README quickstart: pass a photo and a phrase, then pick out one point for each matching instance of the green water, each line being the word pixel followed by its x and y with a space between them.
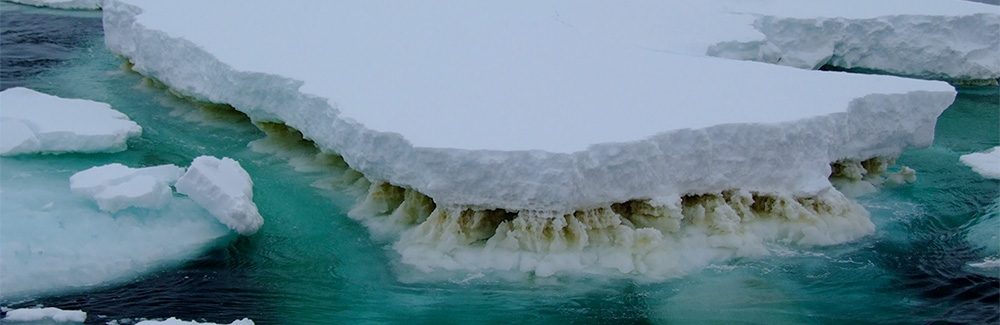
pixel 311 264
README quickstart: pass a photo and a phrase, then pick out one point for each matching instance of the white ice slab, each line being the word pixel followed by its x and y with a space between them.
pixel 223 188
pixel 986 163
pixel 33 122
pixel 114 187
pixel 62 4
pixel 175 321
pixel 509 105
pixel 47 313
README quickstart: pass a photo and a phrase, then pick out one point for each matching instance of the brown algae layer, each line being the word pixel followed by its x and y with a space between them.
pixel 652 237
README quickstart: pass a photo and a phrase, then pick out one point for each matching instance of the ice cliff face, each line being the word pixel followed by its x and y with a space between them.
pixel 954 48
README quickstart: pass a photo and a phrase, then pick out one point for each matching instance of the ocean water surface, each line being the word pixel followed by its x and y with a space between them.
pixel 312 264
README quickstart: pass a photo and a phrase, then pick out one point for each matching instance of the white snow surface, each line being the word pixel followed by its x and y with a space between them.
pixel 114 187
pixel 986 163
pixel 225 189
pixel 40 314
pixel 175 321
pixel 33 122
pixel 62 4
pixel 541 105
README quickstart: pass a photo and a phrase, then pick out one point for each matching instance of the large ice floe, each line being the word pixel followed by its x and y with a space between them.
pixel 548 136
pixel 33 122
pixel 175 321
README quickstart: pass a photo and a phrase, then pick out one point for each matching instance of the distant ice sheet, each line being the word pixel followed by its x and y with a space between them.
pixel 63 4
pixel 33 122
pixel 986 163
pixel 42 314
pixel 175 321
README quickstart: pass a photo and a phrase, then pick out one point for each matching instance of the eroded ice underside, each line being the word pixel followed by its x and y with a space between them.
pixel 527 132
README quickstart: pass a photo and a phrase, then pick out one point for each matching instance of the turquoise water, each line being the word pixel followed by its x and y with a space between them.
pixel 310 263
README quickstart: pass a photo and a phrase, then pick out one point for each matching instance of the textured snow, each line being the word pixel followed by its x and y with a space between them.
pixel 514 107
pixel 62 4
pixel 33 122
pixel 115 186
pixel 41 314
pixel 986 163
pixel 175 321
pixel 223 188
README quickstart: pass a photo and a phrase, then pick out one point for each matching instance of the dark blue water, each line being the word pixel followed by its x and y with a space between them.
pixel 312 264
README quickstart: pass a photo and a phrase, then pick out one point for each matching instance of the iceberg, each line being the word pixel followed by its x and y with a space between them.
pixel 986 163
pixel 41 314
pixel 33 122
pixel 223 188
pixel 556 135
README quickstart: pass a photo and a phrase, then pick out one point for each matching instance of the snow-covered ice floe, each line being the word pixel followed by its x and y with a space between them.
pixel 42 314
pixel 225 189
pixel 116 186
pixel 986 163
pixel 175 321
pixel 33 122
pixel 546 136
pixel 62 4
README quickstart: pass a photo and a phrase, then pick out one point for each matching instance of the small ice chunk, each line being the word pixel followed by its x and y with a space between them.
pixel 175 321
pixel 115 186
pixel 986 163
pixel 38 314
pixel 225 189
pixel 33 122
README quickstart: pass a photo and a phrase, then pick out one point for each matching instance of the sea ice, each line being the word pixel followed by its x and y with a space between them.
pixel 175 321
pixel 53 241
pixel 986 163
pixel 33 122
pixel 41 314
pixel 565 135
pixel 115 186
pixel 225 190
pixel 62 4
